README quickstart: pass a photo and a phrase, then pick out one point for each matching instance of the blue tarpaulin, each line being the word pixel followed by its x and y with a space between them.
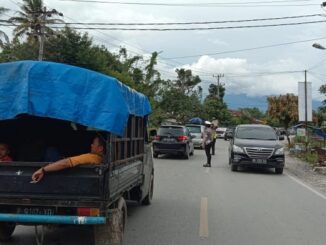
pixel 60 91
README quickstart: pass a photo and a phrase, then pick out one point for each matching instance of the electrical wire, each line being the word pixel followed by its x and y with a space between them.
pixel 221 4
pixel 246 49
pixel 195 22
pixel 194 28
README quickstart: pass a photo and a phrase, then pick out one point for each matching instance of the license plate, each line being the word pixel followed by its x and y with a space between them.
pixel 261 161
pixel 36 211
pixel 169 140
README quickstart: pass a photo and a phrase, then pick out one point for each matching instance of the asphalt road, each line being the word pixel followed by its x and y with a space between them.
pixel 195 205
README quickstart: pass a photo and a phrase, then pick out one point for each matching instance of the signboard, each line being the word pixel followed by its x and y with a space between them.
pixel 302 99
pixel 301 132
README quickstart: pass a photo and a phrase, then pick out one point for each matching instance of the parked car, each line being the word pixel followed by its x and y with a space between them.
pixel 173 139
pixel 256 146
pixel 228 133
pixel 197 131
pixel 220 132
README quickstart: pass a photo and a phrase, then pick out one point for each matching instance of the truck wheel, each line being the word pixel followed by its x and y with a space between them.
pixel 234 167
pixel 6 230
pixel 148 199
pixel 155 155
pixel 279 170
pixel 111 233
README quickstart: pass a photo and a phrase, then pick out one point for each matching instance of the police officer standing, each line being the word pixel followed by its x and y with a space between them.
pixel 207 142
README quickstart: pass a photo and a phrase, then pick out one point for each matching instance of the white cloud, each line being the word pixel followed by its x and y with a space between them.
pixel 242 77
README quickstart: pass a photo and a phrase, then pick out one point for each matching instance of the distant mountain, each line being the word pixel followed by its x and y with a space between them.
pixel 235 102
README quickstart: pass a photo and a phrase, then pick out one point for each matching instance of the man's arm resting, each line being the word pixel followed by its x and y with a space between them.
pixel 56 166
pixel 59 165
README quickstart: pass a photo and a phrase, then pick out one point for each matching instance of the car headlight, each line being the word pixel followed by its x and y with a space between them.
pixel 279 151
pixel 237 149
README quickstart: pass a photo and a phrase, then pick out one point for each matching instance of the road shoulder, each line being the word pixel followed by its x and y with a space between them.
pixel 303 171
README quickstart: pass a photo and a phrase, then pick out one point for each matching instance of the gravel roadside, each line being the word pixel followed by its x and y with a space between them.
pixel 304 172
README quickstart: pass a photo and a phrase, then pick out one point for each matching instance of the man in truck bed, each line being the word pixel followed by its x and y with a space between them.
pixel 94 157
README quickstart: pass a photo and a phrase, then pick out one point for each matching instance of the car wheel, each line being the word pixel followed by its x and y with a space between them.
pixel 279 170
pixel 155 155
pixel 234 167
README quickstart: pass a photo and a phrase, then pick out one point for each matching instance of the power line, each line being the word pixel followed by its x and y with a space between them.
pixel 194 28
pixel 246 49
pixel 195 22
pixel 221 4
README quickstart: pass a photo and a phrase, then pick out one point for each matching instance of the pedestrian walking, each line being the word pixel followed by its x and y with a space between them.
pixel 207 142
pixel 214 136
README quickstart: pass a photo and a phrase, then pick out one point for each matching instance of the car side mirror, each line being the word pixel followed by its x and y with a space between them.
pixel 281 137
pixel 152 132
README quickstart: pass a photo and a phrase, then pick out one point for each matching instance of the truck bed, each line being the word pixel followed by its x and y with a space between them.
pixel 80 183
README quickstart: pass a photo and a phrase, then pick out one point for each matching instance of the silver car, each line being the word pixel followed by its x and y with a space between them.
pixel 197 131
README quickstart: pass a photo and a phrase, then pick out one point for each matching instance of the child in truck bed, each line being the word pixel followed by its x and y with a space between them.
pixel 4 153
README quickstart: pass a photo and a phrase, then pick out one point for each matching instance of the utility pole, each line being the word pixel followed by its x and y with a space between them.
pixel 218 77
pixel 39 29
pixel 306 107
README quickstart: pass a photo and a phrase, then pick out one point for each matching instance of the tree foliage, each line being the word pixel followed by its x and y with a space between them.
pixel 3 36
pixel 30 19
pixel 283 108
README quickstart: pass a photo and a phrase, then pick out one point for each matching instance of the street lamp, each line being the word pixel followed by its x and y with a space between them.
pixel 319 46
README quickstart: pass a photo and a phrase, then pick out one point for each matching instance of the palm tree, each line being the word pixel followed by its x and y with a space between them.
pixel 2 33
pixel 33 18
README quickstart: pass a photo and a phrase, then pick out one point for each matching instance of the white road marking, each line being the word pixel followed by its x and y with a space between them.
pixel 203 226
pixel 307 186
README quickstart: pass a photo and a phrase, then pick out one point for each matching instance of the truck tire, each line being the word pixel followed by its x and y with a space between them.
pixel 148 199
pixel 111 233
pixel 155 155
pixel 279 170
pixel 6 230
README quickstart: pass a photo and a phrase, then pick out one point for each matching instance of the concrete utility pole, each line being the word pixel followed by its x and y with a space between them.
pixel 218 77
pixel 306 106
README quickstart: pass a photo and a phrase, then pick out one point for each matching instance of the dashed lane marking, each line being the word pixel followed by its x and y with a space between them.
pixel 203 227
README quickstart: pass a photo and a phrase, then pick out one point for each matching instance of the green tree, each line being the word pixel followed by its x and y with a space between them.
pixel 30 19
pixel 214 90
pixel 185 82
pixel 283 108
pixel 3 35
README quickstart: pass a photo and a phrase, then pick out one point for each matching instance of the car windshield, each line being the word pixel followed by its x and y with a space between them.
pixel 259 133
pixel 194 129
pixel 176 131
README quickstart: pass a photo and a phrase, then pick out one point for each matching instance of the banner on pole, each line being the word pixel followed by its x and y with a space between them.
pixel 302 101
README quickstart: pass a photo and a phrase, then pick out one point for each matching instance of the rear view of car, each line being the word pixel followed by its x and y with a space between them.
pixel 173 139
pixel 196 130
pixel 220 132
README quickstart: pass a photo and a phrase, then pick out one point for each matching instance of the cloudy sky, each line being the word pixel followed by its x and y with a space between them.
pixel 255 72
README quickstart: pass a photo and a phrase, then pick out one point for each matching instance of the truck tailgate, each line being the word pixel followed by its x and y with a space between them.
pixel 77 183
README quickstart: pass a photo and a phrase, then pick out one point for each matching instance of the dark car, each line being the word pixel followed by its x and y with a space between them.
pixel 256 146
pixel 228 133
pixel 173 139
